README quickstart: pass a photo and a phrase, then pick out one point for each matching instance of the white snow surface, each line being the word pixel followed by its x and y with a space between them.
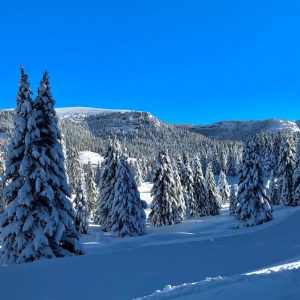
pixel 205 258
pixel 65 112
pixel 93 157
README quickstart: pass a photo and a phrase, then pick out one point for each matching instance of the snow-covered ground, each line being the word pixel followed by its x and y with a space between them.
pixel 93 157
pixel 64 112
pixel 178 260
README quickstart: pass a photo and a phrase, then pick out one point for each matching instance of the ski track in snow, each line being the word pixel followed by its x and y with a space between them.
pixel 210 247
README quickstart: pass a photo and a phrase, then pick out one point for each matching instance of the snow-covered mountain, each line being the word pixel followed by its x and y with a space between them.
pixel 241 130
pixel 127 121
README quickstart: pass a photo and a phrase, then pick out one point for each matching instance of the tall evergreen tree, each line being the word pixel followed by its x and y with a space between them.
pixel 40 223
pixel 2 204
pixel 165 207
pixel 98 174
pixel 10 222
pixel 81 207
pixel 200 190
pixel 180 198
pixel 188 189
pixel 253 206
pixel 107 187
pixel 73 168
pixel 91 190
pixel 127 216
pixel 285 171
pixel 233 199
pixel 212 192
pixel 273 192
pixel 224 188
pixel 296 178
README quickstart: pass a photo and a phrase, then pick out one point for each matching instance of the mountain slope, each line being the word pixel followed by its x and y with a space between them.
pixel 241 130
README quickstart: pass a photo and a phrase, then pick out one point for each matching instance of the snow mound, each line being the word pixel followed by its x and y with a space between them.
pixel 93 157
pixel 278 282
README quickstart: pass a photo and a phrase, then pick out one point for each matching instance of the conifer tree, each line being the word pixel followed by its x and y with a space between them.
pixel 188 189
pixel 40 222
pixel 224 188
pixel 273 192
pixel 285 171
pixel 296 178
pixel 91 190
pixel 200 190
pixel 107 187
pixel 212 192
pixel 165 208
pixel 98 174
pixel 233 199
pixel 127 216
pixel 253 206
pixel 2 204
pixel 73 168
pixel 11 224
pixel 81 207
pixel 180 198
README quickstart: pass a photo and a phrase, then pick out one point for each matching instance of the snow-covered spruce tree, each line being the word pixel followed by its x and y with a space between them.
pixel 253 206
pixel 81 207
pixel 212 192
pixel 91 190
pixel 2 205
pixel 224 188
pixel 165 208
pixel 180 198
pixel 10 222
pixel 41 223
pixel 273 192
pixel 73 168
pixel 135 170
pixel 98 174
pixel 233 199
pixel 127 215
pixel 296 178
pixel 200 190
pixel 188 189
pixel 107 187
pixel 285 171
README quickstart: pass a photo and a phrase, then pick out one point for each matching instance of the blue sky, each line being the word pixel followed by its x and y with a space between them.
pixel 183 61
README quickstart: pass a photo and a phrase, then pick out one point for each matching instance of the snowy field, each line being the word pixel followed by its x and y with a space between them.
pixel 205 258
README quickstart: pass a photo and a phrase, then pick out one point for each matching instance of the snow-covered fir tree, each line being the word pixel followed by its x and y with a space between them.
pixel 224 188
pixel 11 224
pixel 91 190
pixel 2 205
pixel 73 168
pixel 212 192
pixel 253 205
pixel 286 170
pixel 135 170
pixel 98 174
pixel 233 199
pixel 188 189
pixel 165 206
pixel 39 221
pixel 296 177
pixel 180 198
pixel 107 187
pixel 273 191
pixel 200 190
pixel 81 207
pixel 127 215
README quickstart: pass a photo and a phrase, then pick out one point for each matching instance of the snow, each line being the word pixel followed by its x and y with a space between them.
pixel 93 157
pixel 271 283
pixel 65 112
pixel 209 252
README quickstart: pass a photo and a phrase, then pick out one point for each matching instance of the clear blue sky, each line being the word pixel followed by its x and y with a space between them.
pixel 183 61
